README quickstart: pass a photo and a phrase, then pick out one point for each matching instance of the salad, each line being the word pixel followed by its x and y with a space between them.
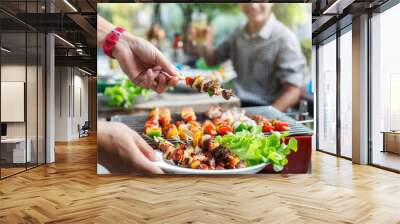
pixel 255 148
pixel 225 140
pixel 124 94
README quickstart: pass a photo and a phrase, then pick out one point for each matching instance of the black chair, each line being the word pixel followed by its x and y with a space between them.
pixel 84 130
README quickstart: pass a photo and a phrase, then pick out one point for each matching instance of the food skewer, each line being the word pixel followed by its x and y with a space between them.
pixel 201 84
pixel 195 143
pixel 210 86
pixel 216 157
pixel 152 126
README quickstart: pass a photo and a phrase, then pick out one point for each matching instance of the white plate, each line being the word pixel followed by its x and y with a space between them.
pixel 169 167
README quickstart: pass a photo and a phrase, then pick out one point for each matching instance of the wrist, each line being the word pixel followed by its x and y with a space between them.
pixel 103 28
pixel 111 40
pixel 119 46
pixel 126 41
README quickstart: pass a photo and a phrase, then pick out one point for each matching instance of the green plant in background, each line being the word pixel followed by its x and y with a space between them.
pixel 118 14
pixel 124 94
pixel 175 17
pixel 293 15
pixel 211 9
pixel 306 46
pixel 126 15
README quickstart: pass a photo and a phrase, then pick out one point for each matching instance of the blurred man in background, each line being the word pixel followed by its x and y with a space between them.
pixel 266 56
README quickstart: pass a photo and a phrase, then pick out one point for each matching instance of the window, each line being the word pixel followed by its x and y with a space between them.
pixel 385 89
pixel 346 94
pixel 327 97
pixel 22 75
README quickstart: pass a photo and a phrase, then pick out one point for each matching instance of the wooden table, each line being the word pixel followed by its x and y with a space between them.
pixel 391 141
pixel 174 101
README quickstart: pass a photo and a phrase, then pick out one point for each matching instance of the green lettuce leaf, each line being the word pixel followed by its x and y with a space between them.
pixel 255 148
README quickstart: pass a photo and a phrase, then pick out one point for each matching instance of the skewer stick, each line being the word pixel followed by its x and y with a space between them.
pixel 180 77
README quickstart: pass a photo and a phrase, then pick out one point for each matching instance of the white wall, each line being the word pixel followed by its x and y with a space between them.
pixel 13 73
pixel 33 127
pixel 81 100
pixel 70 83
pixel 62 81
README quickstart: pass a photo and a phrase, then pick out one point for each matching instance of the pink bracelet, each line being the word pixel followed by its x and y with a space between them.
pixel 111 40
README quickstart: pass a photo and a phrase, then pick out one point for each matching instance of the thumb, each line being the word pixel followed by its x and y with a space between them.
pixel 166 65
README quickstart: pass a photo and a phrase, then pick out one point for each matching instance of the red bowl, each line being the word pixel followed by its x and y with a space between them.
pixel 298 162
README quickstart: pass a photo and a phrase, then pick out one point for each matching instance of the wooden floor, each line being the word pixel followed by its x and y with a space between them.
pixel 10 171
pixel 69 191
pixel 386 159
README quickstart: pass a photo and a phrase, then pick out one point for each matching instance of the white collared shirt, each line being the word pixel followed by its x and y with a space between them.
pixel 263 61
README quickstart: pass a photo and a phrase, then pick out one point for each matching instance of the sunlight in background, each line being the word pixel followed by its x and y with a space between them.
pixel 385 80
pixel 386 70
pixel 346 94
pixel 327 97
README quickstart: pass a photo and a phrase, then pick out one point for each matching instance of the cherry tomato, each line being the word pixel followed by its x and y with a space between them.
pixel 281 126
pixel 164 121
pixel 223 130
pixel 189 81
pixel 166 127
pixel 209 128
pixel 190 118
pixel 268 128
pixel 151 123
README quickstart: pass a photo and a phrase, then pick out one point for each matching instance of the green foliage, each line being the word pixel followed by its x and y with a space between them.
pixel 291 14
pixel 294 15
pixel 124 15
pixel 306 47
pixel 124 94
pixel 211 9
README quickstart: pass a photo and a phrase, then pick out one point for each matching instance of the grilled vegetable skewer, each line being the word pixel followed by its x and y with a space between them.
pixel 204 145
pixel 210 86
pixel 152 127
pixel 164 116
pixel 187 114
pixel 270 125
pixel 214 157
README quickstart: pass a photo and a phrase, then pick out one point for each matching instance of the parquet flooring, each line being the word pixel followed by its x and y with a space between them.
pixel 10 171
pixel 69 191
